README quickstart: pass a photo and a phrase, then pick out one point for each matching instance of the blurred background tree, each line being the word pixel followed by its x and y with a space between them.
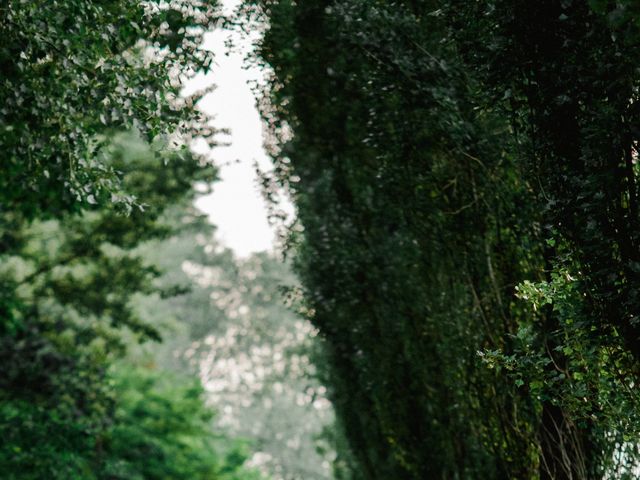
pixel 232 328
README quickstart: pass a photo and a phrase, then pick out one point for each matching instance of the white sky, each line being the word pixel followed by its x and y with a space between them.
pixel 236 206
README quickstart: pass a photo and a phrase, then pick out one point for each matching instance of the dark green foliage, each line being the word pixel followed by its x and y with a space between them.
pixel 72 71
pixel 570 70
pixel 465 175
pixel 404 296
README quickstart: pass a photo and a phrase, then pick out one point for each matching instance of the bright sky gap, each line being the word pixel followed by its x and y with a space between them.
pixel 236 205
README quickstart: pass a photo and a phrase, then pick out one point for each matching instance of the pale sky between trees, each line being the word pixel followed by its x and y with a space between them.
pixel 236 206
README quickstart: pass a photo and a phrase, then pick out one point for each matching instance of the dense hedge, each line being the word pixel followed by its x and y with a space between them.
pixel 465 178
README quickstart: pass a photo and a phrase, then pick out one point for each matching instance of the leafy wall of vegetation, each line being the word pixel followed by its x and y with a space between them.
pixel 466 180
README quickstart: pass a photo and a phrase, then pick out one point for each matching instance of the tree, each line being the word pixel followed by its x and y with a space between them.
pixel 566 72
pixel 73 279
pixel 162 429
pixel 465 179
pixel 76 198
pixel 411 247
pixel 231 328
pixel 73 72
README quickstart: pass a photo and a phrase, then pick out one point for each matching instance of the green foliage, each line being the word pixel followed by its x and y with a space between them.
pixel 162 429
pixel 466 180
pixel 78 196
pixel 72 280
pixel 410 205
pixel 74 71
pixel 570 68
pixel 159 428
